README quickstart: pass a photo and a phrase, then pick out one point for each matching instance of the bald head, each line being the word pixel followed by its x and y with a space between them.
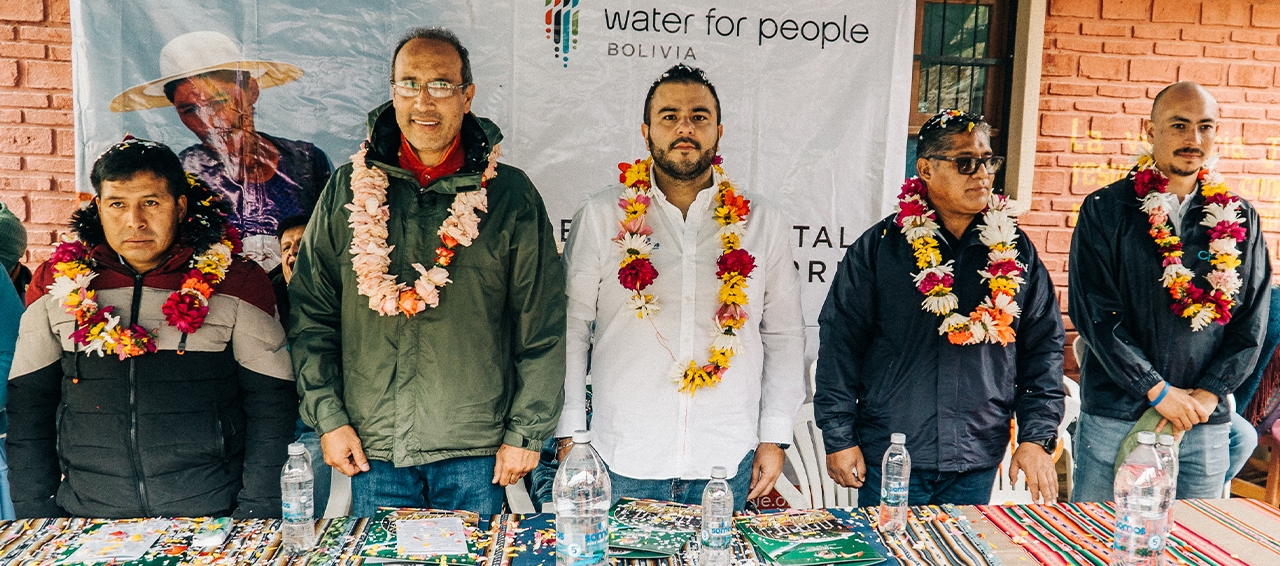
pixel 1184 121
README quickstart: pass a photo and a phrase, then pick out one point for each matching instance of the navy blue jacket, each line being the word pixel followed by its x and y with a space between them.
pixel 1123 312
pixel 884 368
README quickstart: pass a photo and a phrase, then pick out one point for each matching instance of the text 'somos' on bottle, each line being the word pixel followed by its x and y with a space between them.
pixel 582 496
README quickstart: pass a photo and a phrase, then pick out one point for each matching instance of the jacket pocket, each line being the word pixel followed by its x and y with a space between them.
pixel 59 433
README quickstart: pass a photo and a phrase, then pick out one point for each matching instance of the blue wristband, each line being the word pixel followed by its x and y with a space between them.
pixel 1160 397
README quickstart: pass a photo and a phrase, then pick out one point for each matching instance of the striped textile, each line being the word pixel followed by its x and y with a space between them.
pixel 1258 536
pixel 936 536
pixel 1079 534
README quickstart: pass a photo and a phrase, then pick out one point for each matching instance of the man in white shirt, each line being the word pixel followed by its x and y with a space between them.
pixel 685 304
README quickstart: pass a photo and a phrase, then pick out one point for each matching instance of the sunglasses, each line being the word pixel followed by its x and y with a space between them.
pixel 969 165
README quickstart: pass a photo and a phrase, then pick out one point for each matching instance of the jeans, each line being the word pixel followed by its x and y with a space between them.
pixel 929 487
pixel 688 492
pixel 323 473
pixel 456 483
pixel 6 500
pixel 542 478
pixel 1202 459
pixel 1244 439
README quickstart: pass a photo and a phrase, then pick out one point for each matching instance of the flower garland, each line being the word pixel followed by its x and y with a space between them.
pixel 1226 229
pixel 991 321
pixel 372 255
pixel 733 267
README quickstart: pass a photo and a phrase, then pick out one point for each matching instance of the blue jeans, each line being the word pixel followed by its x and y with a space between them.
pixel 688 492
pixel 929 487
pixel 1203 459
pixel 1244 439
pixel 456 483
pixel 6 500
pixel 323 473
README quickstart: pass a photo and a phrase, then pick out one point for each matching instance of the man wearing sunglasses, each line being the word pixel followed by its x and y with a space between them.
pixel 942 324
pixel 427 302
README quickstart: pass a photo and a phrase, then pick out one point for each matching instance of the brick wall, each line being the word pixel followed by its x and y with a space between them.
pixel 1104 60
pixel 36 141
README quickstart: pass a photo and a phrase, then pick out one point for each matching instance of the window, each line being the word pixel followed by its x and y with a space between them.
pixel 961 61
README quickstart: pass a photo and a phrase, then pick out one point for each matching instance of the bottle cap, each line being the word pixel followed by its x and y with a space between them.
pixel 719 473
pixel 898 438
pixel 1166 439
pixel 296 449
pixel 581 437
pixel 1146 437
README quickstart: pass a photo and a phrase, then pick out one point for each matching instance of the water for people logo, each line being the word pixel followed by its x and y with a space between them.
pixel 562 27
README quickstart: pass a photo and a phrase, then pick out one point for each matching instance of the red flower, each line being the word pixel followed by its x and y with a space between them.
pixel 736 203
pixel 1225 229
pixel 74 250
pixel 735 261
pixel 637 274
pixel 1004 267
pixel 912 186
pixel 1148 180
pixel 185 312
pixel 908 208
pixel 233 236
pixel 1219 198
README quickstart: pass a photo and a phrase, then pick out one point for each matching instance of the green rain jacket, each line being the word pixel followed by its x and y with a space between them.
pixel 484 368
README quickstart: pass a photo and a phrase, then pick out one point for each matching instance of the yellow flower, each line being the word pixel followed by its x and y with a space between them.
pixel 926 252
pixel 939 291
pixel 733 295
pixel 1145 161
pixel 638 172
pixel 1003 285
pixel 719 357
pixel 731 241
pixel 71 269
pixel 1165 242
pixel 634 209
pixel 630 258
pixel 725 215
pixel 1225 261
pixel 1214 189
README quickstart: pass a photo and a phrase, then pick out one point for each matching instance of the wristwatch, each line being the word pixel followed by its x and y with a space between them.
pixel 1048 444
pixel 782 446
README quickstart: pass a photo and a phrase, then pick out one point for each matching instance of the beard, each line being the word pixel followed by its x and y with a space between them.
pixel 683 170
pixel 1179 171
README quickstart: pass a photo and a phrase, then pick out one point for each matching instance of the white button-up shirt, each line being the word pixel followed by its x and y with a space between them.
pixel 641 425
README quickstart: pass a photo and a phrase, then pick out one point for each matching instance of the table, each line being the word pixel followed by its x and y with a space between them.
pixel 1207 532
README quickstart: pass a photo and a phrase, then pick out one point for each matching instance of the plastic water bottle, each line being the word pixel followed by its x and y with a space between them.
pixel 895 477
pixel 1142 490
pixel 1170 460
pixel 582 496
pixel 297 498
pixel 717 521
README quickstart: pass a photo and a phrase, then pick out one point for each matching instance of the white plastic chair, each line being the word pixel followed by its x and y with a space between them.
pixel 518 497
pixel 1004 492
pixel 808 458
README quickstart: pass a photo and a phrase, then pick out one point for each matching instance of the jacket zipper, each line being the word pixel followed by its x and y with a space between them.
pixel 133 402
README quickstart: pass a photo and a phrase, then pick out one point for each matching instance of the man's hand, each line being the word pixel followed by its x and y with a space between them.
pixel 1207 400
pixel 1178 408
pixel 1042 479
pixel 766 469
pixel 342 450
pixel 847 467
pixel 562 448
pixel 512 464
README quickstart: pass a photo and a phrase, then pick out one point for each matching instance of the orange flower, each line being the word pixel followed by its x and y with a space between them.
pixel 448 240
pixel 736 203
pixel 410 303
pixel 959 337
pixel 199 285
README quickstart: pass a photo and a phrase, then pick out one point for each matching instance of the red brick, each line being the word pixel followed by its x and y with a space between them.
pixel 1126 9
pixel 10 116
pixel 60 52
pixel 1181 11
pixel 1204 35
pixel 1041 219
pixel 1258 76
pixel 1208 74
pixel 1273 114
pixel 1077 8
pixel 1229 13
pixel 65 185
pixel 1266 54
pixel 1259 132
pixel 1062 27
pixel 1058 65
pixel 1065 204
pixel 1137 107
pixel 1036 236
pixel 21 50
pixel 1061 125
pixel 1227 52
pixel 48 117
pixel 1263 96
pixel 16 204
pixel 45 34
pixel 1177 48
pixel 1099 106
pixel 48 74
pixel 1229 129
pixel 51 210
pixel 61 102
pixel 1081 44
pixel 1162 70
pixel 1222 95
pixel 1120 91
pixel 1258 37
pixel 1059 241
pixel 7 33
pixel 22 10
pixel 1156 31
pixel 1251 113
pixel 1080 160
pixel 1116 127
pixel 1266 16
pixel 10 163
pixel 26 140
pixel 1052 263
pixel 64 141
pixel 51 164
pixel 1044 160
pixel 1127 47
pixel 8 72
pixel 1051 182
pixel 1050 145
pixel 1093 28
pixel 60 12
pixel 27 184
pixel 1054 104
pixel 1072 89
pixel 1106 68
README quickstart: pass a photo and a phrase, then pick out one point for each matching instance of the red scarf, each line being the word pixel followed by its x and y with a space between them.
pixel 451 163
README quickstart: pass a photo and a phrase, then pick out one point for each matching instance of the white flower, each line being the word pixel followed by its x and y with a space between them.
pixel 954 320
pixel 1223 246
pixel 1002 231
pixel 916 227
pixel 644 305
pixel 982 329
pixel 675 372
pixel 1155 203
pixel 1007 304
pixel 941 304
pixel 1202 318
pixel 1215 213
pixel 735 229
pixel 1175 271
pixel 941 270
pixel 1227 281
pixel 1001 255
pixel 727 342
pixel 638 242
pixel 63 286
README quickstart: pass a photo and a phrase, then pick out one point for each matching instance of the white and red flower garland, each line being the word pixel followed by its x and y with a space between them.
pixel 1226 229
pixel 733 267
pixel 991 321
pixel 99 331
pixel 369 216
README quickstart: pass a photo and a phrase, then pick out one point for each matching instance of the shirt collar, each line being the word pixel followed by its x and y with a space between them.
pixel 451 163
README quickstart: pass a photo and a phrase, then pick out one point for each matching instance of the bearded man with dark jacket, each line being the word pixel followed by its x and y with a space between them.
pixel 151 377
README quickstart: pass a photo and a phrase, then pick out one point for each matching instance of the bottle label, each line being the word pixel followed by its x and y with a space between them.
pixel 582 549
pixel 894 493
pixel 294 511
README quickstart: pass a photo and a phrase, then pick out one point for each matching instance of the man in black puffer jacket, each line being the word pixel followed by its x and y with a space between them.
pixel 151 377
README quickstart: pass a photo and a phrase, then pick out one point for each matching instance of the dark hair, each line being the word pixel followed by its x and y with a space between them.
pixel 132 156
pixel 681 73
pixel 224 76
pixel 291 223
pixel 936 135
pixel 440 34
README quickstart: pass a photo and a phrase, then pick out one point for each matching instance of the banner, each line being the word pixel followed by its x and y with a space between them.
pixel 814 95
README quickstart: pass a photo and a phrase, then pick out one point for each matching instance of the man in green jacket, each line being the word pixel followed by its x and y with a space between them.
pixel 428 306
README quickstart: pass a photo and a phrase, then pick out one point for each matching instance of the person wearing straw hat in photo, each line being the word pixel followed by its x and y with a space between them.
pixel 213 86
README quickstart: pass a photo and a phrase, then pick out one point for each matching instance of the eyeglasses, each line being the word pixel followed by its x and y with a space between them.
pixel 437 89
pixel 969 165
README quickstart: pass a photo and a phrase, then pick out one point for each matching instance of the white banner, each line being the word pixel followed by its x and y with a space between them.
pixel 814 92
